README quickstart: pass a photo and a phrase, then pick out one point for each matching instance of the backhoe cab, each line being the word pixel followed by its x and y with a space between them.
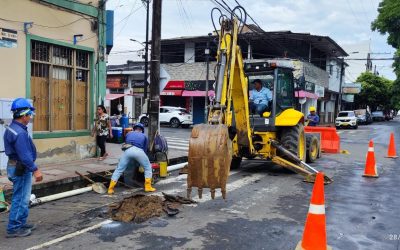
pixel 233 133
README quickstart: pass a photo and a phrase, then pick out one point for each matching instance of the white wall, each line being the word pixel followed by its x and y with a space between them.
pixel 333 68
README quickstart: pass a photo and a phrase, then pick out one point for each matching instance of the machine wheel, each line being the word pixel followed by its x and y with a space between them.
pixel 312 148
pixel 174 122
pixel 145 121
pixel 235 163
pixel 294 139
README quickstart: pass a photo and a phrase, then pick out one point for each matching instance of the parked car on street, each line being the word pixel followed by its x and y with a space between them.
pixel 363 116
pixel 378 116
pixel 346 119
pixel 174 116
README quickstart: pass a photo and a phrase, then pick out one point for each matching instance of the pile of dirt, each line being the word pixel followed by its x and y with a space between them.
pixel 139 208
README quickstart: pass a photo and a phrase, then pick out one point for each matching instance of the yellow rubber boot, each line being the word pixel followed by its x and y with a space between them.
pixel 111 187
pixel 147 185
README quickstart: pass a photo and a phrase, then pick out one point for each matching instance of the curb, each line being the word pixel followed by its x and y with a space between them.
pixel 74 182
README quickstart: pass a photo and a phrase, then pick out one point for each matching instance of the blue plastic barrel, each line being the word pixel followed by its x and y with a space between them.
pixel 124 121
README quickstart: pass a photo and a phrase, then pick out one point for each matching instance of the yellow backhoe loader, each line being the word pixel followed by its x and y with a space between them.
pixel 233 133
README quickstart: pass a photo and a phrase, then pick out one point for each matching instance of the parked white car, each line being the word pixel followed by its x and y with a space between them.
pixel 346 119
pixel 174 116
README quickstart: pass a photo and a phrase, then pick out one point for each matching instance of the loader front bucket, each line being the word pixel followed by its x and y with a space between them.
pixel 210 155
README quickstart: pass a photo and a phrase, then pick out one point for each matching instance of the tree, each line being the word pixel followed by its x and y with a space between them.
pixel 388 22
pixel 376 92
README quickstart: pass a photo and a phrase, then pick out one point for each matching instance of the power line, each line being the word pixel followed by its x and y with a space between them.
pixel 45 26
pixel 262 34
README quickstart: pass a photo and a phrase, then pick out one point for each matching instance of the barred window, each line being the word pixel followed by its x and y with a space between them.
pixel 59 87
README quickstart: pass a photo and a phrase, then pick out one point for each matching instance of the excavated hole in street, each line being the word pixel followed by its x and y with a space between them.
pixel 139 208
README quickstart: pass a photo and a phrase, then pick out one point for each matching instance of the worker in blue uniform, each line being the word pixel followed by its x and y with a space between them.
pixel 259 98
pixel 21 166
pixel 136 153
pixel 312 117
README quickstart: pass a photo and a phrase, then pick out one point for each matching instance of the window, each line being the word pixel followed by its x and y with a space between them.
pixel 59 87
pixel 337 72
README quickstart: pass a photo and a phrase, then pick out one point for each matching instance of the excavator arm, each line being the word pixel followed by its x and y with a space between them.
pixel 231 101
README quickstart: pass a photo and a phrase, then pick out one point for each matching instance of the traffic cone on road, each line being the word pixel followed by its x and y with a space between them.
pixel 392 147
pixel 370 165
pixel 314 236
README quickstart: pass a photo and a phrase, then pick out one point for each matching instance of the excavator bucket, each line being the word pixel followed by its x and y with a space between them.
pixel 210 155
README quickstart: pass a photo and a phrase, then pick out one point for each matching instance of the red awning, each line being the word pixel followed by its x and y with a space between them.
pixel 197 93
pixel 305 94
pixel 175 85
pixel 172 92
pixel 114 96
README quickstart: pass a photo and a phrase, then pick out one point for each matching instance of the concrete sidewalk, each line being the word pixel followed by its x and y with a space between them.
pixel 63 173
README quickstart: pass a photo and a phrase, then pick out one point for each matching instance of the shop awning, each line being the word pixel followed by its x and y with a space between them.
pixel 172 92
pixel 114 96
pixel 305 94
pixel 197 93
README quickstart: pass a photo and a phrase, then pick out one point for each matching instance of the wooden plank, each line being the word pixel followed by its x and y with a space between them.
pixel 39 95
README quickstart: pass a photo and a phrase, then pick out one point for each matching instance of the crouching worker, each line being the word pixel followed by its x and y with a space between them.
pixel 137 153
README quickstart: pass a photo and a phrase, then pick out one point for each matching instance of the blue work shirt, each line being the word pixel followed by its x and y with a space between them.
pixel 314 120
pixel 137 139
pixel 261 97
pixel 19 145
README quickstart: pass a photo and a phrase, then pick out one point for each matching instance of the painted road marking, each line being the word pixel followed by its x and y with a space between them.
pixel 71 235
pixel 178 143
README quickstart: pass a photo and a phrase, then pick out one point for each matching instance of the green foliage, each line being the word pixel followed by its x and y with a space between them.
pixel 376 92
pixel 388 21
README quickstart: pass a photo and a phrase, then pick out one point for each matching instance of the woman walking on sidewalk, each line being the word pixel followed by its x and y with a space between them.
pixel 102 129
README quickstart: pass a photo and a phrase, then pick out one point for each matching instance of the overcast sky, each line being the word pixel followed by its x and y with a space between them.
pixel 346 21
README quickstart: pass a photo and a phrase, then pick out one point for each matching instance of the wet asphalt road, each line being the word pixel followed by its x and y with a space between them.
pixel 265 209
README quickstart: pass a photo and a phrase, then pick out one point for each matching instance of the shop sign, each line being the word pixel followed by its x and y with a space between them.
pixel 117 82
pixel 8 38
pixel 351 88
pixel 320 91
pixel 198 85
pixel 310 87
pixel 137 84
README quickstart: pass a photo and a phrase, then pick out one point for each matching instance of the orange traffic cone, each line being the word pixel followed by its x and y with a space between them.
pixel 392 148
pixel 314 236
pixel 370 165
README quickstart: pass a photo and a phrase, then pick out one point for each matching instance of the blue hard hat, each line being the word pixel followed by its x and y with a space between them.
pixel 139 125
pixel 21 103
pixel 21 107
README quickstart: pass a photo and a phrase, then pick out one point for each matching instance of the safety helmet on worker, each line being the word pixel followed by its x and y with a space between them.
pixel 312 109
pixel 21 107
pixel 139 125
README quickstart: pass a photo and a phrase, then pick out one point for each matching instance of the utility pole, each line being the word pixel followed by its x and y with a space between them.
pixel 342 72
pixel 155 70
pixel 207 53
pixel 146 51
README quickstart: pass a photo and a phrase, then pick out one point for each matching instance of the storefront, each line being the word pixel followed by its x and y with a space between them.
pixel 117 89
pixel 172 95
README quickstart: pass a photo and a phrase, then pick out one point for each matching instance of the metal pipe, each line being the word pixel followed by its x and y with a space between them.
pixel 53 197
pixel 176 166
pixel 220 79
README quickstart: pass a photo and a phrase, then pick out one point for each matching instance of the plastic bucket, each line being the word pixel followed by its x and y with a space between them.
pixel 163 169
